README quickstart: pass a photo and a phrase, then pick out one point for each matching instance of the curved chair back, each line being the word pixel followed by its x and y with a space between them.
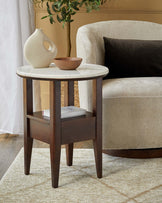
pixel 90 44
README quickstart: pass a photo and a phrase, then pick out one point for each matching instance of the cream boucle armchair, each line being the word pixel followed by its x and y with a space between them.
pixel 132 107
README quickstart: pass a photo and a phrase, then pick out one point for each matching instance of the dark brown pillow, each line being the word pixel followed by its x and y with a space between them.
pixel 133 58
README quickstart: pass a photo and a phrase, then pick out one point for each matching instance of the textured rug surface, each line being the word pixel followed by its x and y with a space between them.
pixel 124 180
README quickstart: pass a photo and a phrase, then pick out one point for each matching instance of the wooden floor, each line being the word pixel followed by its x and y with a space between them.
pixel 10 145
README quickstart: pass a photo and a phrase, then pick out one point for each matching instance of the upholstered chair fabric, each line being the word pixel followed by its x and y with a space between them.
pixel 132 107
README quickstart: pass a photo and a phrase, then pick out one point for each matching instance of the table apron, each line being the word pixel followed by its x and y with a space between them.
pixel 75 130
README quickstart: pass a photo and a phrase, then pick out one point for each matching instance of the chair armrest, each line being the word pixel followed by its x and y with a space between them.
pixel 85 94
pixel 85 49
pixel 85 45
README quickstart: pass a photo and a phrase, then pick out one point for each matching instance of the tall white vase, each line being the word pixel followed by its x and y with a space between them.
pixel 35 51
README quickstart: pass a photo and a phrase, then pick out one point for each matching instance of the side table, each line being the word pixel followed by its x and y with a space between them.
pixel 57 131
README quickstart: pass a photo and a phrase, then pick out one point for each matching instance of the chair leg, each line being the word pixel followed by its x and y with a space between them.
pixel 69 154
pixel 28 143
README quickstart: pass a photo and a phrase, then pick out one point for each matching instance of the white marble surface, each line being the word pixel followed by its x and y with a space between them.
pixel 82 72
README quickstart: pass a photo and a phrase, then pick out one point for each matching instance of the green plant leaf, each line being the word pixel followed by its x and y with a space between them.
pixel 59 19
pixel 54 8
pixel 51 20
pixel 73 13
pixel 76 8
pixel 74 5
pixel 63 15
pixel 48 9
pixel 44 17
pixel 66 8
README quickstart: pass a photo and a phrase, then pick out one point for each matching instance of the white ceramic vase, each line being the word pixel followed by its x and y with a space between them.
pixel 35 52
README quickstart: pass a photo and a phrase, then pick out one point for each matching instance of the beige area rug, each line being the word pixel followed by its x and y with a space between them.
pixel 124 180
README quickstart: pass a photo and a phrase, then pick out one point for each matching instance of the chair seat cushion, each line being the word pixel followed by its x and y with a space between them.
pixel 132 87
pixel 133 58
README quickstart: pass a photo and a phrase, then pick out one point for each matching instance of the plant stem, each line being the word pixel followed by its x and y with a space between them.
pixel 68 39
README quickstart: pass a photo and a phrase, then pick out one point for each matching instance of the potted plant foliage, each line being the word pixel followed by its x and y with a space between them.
pixel 64 10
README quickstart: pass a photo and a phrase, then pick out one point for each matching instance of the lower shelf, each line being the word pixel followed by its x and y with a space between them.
pixel 74 129
pixel 44 119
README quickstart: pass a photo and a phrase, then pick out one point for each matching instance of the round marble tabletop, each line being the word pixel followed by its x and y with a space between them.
pixel 85 71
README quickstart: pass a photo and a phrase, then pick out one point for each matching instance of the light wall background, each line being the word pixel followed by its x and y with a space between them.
pixel 147 10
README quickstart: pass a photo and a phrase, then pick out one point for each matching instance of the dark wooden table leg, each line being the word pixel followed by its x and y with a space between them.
pixel 28 109
pixel 97 110
pixel 55 130
pixel 69 101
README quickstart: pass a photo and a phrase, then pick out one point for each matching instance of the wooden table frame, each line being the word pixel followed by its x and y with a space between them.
pixel 57 131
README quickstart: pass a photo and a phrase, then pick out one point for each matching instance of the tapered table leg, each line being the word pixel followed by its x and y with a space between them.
pixel 69 101
pixel 55 130
pixel 69 154
pixel 28 109
pixel 97 110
